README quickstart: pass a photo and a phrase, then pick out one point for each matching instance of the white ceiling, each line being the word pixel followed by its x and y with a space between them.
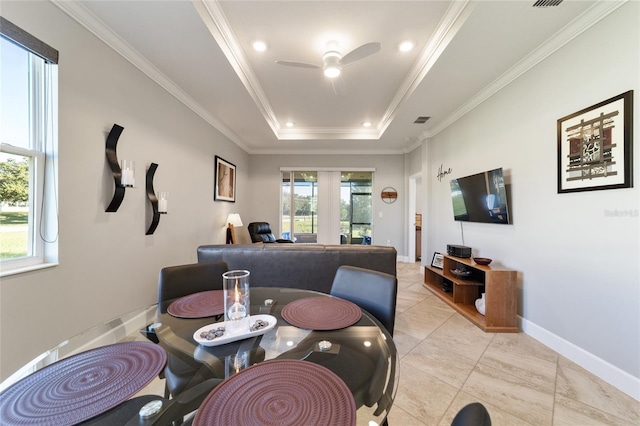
pixel 201 51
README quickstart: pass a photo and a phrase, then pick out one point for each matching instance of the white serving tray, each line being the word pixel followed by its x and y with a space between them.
pixel 228 338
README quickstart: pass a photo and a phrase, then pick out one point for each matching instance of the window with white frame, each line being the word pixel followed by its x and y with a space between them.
pixel 28 160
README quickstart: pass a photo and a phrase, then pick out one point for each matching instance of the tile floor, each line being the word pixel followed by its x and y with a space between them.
pixel 447 362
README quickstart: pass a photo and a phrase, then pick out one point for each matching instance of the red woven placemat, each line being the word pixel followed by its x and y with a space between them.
pixel 82 386
pixel 198 305
pixel 321 313
pixel 279 393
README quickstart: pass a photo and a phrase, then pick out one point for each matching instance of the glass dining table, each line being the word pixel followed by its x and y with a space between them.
pixel 363 355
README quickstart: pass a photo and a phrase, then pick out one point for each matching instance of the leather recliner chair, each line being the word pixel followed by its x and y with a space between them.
pixel 260 232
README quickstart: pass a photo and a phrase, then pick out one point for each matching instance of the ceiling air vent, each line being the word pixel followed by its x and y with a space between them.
pixel 546 3
pixel 422 119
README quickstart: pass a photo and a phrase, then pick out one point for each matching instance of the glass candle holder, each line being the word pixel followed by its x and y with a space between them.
pixel 163 202
pixel 236 301
pixel 237 362
pixel 128 173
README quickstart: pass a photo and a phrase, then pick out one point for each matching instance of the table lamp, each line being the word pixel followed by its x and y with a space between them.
pixel 233 220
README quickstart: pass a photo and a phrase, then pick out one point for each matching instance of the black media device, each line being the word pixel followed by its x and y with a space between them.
pixel 458 251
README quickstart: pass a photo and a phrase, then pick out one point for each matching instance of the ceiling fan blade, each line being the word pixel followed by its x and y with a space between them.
pixel 360 53
pixel 339 86
pixel 298 64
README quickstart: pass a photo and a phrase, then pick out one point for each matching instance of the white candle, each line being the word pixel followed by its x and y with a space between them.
pixel 127 178
pixel 162 206
pixel 163 202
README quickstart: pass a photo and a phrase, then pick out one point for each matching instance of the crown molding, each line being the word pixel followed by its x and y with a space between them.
pixel 216 22
pixel 413 146
pixel 448 27
pixel 93 24
pixel 329 133
pixel 580 24
pixel 320 151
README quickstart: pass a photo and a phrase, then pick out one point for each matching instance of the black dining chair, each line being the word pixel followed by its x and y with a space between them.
pixel 373 291
pixel 179 281
pixel 182 280
pixel 474 414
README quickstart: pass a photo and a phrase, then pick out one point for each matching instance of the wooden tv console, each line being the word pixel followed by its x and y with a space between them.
pixel 498 284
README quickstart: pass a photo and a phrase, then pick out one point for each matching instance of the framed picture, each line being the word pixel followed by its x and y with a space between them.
pixel 225 185
pixel 595 146
pixel 438 260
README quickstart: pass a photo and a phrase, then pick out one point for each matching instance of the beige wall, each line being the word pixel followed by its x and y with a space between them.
pixel 108 266
pixel 579 269
pixel 575 288
pixel 388 223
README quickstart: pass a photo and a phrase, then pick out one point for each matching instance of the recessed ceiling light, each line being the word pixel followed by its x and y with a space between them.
pixel 366 124
pixel 289 123
pixel 260 45
pixel 406 46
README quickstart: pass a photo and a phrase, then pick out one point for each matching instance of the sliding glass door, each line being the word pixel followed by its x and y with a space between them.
pixel 299 206
pixel 327 206
pixel 355 214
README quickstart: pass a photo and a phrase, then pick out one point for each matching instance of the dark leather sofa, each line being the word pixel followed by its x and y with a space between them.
pixel 303 266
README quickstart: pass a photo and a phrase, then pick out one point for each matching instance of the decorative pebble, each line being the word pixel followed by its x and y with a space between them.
pixel 259 324
pixel 213 333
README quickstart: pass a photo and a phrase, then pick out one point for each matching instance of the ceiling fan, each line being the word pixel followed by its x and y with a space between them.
pixel 333 62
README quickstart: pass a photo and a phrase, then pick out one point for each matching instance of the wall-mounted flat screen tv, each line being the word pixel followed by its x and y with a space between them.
pixel 480 198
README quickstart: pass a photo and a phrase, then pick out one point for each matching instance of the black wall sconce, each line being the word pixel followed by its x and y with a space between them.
pixel 158 206
pixel 124 177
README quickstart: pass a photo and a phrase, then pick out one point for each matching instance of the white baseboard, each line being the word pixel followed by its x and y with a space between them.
pixel 609 373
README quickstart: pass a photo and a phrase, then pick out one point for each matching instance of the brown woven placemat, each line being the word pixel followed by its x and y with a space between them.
pixel 198 305
pixel 279 393
pixel 82 386
pixel 321 313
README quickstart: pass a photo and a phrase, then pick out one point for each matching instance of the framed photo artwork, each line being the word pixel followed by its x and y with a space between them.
pixel 595 146
pixel 438 260
pixel 225 181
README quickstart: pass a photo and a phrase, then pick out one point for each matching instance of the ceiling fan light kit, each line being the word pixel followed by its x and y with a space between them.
pixel 332 61
pixel 331 71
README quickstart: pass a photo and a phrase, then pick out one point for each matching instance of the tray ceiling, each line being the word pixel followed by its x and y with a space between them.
pixel 464 51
